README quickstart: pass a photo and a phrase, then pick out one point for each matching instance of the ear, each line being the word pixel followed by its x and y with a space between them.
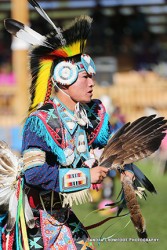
pixel 62 86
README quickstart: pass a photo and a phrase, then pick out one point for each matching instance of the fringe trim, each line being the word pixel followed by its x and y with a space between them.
pixel 36 125
pixel 79 197
pixel 104 133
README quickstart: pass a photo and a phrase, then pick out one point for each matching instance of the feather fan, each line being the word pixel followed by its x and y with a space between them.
pixel 133 142
pixel 133 207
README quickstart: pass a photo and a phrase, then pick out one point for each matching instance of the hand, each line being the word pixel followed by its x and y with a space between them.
pixel 98 174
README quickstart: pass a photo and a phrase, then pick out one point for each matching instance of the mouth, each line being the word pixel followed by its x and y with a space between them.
pixel 90 92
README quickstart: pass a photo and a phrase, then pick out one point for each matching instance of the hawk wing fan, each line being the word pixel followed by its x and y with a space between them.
pixel 134 141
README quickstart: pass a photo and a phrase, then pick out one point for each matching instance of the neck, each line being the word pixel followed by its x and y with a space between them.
pixel 68 102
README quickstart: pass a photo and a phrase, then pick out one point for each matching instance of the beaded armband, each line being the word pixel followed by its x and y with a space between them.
pixel 33 157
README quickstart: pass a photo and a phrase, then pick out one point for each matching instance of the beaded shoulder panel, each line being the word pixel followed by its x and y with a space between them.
pixel 96 113
pixel 48 114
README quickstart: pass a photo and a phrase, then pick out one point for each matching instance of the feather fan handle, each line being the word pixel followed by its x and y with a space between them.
pixel 133 207
pixel 47 18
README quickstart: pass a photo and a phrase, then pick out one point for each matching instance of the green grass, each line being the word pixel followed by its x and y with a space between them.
pixel 153 210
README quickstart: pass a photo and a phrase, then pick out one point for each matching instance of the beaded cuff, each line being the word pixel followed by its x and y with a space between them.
pixel 71 180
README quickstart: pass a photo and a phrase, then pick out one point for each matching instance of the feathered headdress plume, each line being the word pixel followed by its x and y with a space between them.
pixel 60 44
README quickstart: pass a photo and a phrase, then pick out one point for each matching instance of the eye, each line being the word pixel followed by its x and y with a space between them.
pixel 87 76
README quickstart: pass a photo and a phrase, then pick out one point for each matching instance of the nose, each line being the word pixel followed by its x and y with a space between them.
pixel 91 82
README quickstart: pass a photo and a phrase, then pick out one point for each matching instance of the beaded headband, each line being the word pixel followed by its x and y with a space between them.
pixel 66 72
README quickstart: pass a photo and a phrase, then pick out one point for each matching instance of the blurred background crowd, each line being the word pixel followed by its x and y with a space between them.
pixel 131 32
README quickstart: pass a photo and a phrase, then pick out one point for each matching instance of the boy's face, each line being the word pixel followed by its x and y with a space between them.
pixel 82 89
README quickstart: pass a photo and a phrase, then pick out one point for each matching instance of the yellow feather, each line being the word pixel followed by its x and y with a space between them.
pixel 73 49
pixel 42 83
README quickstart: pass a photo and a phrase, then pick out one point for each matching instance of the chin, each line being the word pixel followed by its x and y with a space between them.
pixel 86 100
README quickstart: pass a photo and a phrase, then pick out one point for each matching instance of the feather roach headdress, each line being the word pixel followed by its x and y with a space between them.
pixel 54 54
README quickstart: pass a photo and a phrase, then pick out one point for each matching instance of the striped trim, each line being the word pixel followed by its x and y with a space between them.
pixel 33 157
